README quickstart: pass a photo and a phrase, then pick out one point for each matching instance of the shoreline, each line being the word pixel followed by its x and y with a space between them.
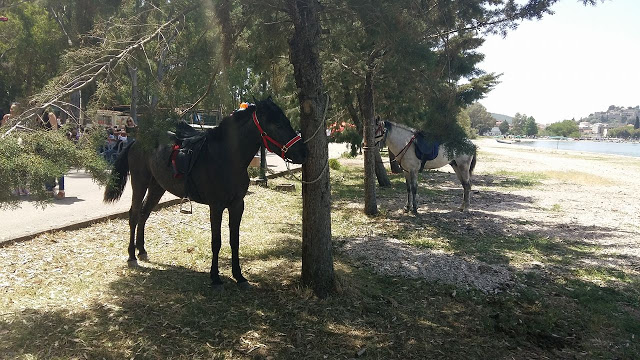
pixel 629 150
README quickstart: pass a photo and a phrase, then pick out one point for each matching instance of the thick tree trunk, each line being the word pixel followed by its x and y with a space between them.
pixel 370 204
pixel 317 258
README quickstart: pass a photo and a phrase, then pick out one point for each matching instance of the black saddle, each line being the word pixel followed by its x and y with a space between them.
pixel 425 149
pixel 188 144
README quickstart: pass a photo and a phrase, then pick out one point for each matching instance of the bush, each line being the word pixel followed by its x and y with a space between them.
pixel 334 164
pixel 254 172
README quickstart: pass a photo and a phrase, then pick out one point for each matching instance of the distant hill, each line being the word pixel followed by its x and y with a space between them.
pixel 614 116
pixel 500 117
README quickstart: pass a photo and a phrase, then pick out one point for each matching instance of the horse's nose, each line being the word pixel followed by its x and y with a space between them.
pixel 304 153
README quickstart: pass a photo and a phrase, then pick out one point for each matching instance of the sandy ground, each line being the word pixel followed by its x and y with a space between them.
pixel 576 198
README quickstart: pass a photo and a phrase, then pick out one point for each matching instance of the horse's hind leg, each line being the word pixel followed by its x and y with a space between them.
pixel 411 180
pixel 414 190
pixel 154 194
pixel 139 188
pixel 461 168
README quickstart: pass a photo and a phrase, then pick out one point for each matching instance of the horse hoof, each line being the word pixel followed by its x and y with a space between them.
pixel 244 285
pixel 217 288
pixel 132 263
pixel 143 256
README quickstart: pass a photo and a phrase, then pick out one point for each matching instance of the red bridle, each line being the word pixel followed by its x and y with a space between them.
pixel 266 138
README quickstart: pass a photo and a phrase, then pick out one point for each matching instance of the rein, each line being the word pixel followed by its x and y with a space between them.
pixel 404 151
pixel 265 137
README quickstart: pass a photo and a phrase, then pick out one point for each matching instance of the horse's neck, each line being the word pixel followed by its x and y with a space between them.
pixel 242 142
pixel 398 139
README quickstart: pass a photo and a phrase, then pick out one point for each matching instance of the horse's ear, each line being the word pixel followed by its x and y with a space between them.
pixel 270 98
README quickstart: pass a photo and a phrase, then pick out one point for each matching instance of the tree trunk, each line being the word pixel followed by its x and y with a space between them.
pixel 317 258
pixel 368 118
pixel 381 171
pixel 395 167
pixel 133 110
pixel 76 104
pixel 348 104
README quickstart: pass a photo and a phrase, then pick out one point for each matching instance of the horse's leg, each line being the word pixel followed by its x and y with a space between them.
pixel 235 216
pixel 154 194
pixel 461 168
pixel 414 190
pixel 138 187
pixel 407 180
pixel 215 217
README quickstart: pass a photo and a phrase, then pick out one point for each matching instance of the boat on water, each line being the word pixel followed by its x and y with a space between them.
pixel 504 141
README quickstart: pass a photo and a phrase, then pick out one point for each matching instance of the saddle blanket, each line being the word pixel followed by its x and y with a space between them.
pixel 425 150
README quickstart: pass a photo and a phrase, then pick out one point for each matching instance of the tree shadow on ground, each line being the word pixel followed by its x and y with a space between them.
pixel 165 311
pixel 485 234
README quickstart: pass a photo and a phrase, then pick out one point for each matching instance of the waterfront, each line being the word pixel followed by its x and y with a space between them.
pixel 603 147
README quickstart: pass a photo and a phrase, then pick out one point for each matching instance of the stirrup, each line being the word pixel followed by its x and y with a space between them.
pixel 184 210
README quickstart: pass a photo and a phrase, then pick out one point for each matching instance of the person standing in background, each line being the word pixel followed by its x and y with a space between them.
pixel 54 124
pixel 131 129
pixel 12 111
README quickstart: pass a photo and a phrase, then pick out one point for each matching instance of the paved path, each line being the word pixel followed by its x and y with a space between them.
pixel 83 205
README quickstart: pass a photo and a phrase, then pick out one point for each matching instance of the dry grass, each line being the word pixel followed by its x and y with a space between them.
pixel 71 295
pixel 579 178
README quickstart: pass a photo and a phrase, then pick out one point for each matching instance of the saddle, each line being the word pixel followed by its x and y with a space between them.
pixel 188 144
pixel 425 150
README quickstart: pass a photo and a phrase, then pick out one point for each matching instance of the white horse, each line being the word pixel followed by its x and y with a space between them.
pixel 401 140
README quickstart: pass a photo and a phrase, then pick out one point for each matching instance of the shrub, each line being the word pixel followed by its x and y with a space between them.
pixel 334 164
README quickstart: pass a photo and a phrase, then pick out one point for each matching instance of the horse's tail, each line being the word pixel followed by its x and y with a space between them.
pixel 473 163
pixel 118 178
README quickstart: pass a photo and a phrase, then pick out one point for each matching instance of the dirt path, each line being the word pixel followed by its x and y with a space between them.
pixel 580 189
pixel 572 200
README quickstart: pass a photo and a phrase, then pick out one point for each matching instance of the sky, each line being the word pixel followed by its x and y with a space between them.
pixel 568 65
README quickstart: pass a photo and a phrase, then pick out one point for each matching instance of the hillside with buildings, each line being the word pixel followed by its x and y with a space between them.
pixel 614 116
pixel 501 117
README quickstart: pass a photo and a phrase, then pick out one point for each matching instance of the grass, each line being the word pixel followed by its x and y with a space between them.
pixel 71 295
pixel 578 177
pixel 519 179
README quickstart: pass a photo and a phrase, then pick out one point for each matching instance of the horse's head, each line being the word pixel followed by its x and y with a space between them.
pixel 277 134
pixel 381 131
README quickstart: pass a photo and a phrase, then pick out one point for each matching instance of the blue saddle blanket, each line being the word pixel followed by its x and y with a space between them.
pixel 425 150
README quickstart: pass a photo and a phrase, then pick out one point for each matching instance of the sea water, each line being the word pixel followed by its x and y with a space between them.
pixel 628 149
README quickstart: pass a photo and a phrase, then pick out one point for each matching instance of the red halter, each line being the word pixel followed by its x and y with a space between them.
pixel 266 137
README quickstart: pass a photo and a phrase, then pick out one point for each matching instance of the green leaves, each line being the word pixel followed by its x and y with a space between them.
pixel 32 159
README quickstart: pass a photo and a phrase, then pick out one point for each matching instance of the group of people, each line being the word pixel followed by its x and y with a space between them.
pixel 117 138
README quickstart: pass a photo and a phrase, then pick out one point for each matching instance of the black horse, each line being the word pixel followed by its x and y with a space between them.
pixel 217 177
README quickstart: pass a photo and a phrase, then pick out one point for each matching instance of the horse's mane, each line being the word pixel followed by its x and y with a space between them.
pixel 184 130
pixel 238 116
pixel 407 128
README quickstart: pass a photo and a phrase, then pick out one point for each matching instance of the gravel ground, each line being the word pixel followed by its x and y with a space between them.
pixel 578 198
